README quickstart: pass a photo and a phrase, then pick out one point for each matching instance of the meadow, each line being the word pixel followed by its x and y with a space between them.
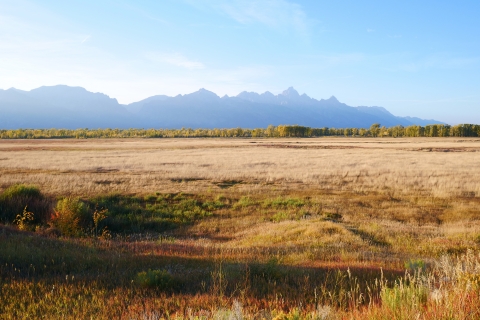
pixel 287 228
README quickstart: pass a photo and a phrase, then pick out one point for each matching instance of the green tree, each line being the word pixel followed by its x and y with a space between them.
pixel 375 129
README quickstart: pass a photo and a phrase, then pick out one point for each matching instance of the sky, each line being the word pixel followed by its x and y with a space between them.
pixel 415 58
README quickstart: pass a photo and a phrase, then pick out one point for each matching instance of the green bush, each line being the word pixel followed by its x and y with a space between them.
pixel 413 265
pixel 270 271
pixel 150 197
pixel 15 198
pixel 280 216
pixel 244 202
pixel 213 205
pixel 160 279
pixel 71 217
pixel 280 202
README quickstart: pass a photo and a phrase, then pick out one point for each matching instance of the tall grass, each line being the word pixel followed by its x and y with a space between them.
pixel 83 279
pixel 450 290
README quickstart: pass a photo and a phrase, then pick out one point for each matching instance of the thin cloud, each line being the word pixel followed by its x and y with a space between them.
pixel 86 39
pixel 175 59
pixel 275 14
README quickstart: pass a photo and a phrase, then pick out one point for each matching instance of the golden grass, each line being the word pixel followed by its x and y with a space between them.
pixel 308 205
pixel 439 167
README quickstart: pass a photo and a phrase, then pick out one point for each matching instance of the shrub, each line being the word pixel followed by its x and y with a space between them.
pixel 213 205
pixel 244 202
pixel 270 271
pixel 24 220
pixel 150 197
pixel 98 216
pixel 71 217
pixel 280 216
pixel 415 265
pixel 15 198
pixel 160 279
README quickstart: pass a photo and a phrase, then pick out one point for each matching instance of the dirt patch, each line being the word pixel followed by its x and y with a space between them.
pixel 180 180
pixel 109 182
pixel 292 146
pixel 102 170
pixel 445 149
pixel 225 184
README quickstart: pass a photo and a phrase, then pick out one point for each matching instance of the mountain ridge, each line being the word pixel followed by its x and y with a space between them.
pixel 68 107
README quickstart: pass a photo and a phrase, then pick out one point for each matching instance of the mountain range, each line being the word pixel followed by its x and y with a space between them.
pixel 74 107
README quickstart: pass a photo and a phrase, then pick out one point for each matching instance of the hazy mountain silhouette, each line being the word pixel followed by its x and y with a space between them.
pixel 136 106
pixel 60 107
pixel 74 107
pixel 421 122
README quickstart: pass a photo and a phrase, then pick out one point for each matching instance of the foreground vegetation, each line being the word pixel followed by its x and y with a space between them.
pixel 321 228
pixel 281 131
pixel 226 253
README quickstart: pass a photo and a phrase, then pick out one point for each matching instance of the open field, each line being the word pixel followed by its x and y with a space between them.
pixel 265 228
pixel 439 166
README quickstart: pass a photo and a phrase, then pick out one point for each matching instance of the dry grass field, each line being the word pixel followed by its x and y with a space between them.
pixel 441 167
pixel 256 228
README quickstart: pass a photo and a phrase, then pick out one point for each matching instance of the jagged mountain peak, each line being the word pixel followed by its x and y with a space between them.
pixel 206 92
pixel 203 93
pixel 290 93
pixel 333 99
pixel 268 94
pixel 247 94
pixel 75 107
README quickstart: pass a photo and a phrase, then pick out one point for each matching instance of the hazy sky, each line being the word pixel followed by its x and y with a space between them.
pixel 416 58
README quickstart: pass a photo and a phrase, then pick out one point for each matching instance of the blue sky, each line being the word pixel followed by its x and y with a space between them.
pixel 415 58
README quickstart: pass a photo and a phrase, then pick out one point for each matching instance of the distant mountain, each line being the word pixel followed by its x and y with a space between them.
pixel 249 109
pixel 60 107
pixel 421 122
pixel 74 107
pixel 404 121
pixel 136 106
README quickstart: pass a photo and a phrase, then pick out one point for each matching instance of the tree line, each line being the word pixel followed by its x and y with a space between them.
pixel 376 130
